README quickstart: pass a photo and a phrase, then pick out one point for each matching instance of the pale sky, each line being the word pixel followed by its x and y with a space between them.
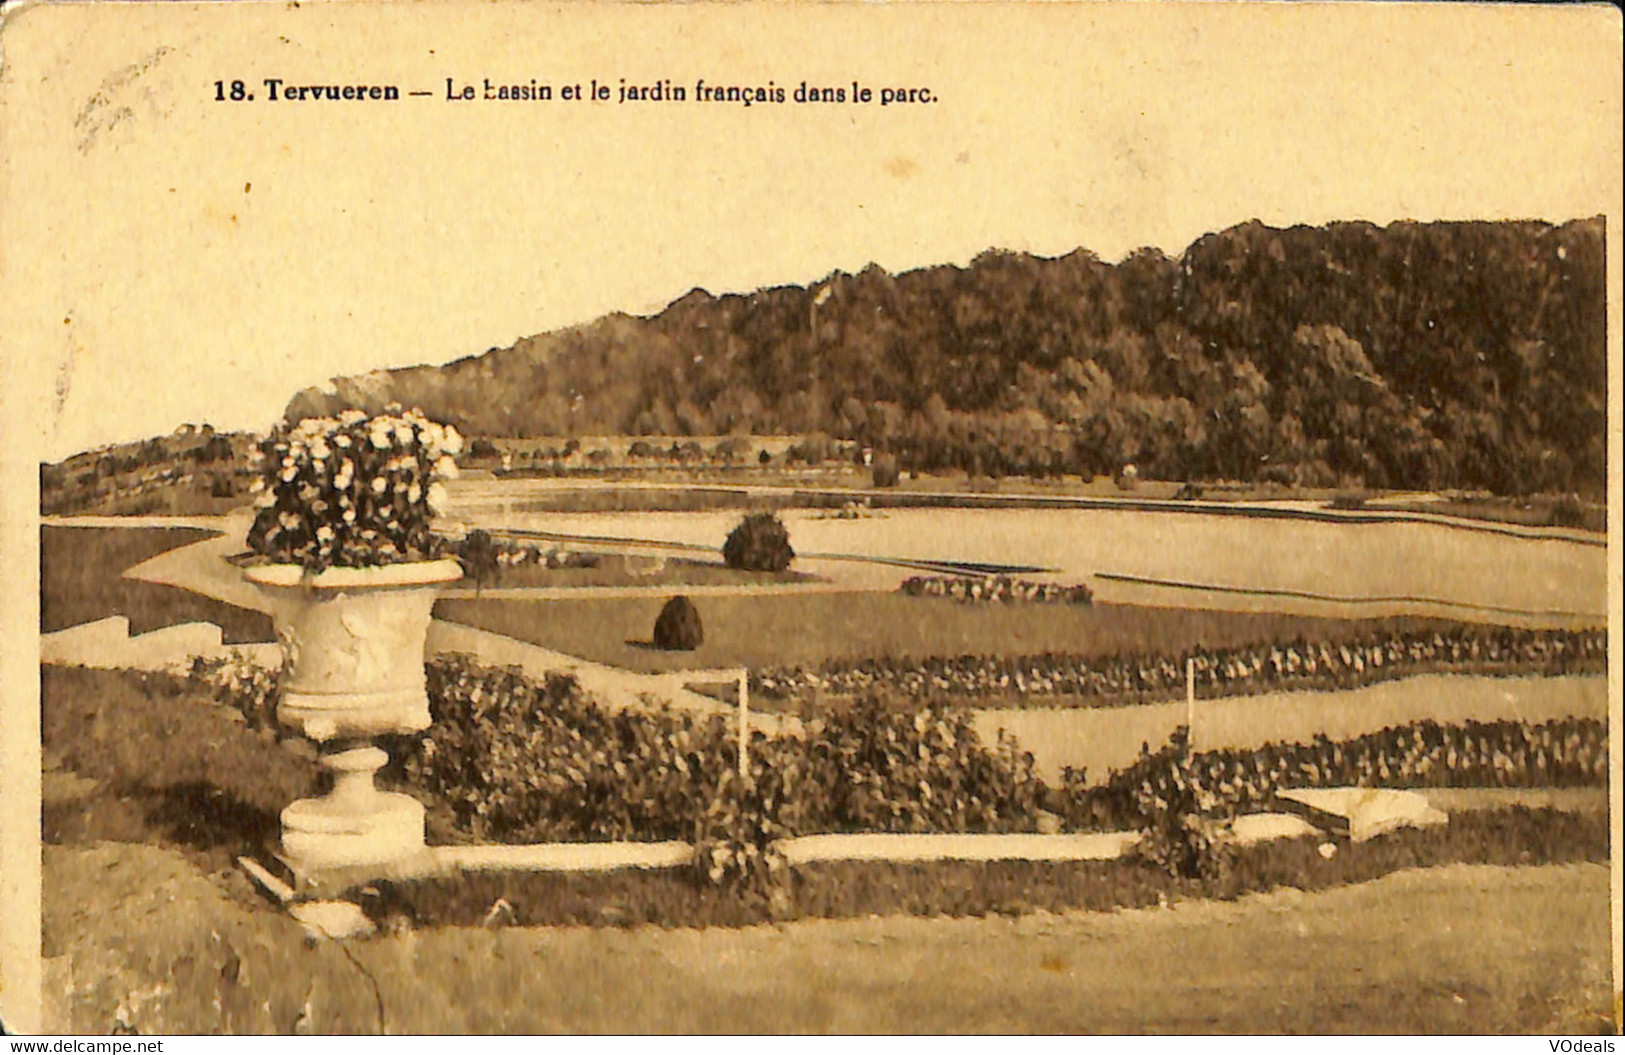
pixel 170 258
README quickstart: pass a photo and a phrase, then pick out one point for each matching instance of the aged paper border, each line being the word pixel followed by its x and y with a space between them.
pixel 746 39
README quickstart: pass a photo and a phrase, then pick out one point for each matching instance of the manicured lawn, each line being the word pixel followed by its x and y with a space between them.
pixel 170 767
pixel 80 569
pixel 808 629
pixel 1407 953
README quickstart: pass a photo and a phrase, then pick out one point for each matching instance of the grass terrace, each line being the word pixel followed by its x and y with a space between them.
pixel 816 628
pixel 81 580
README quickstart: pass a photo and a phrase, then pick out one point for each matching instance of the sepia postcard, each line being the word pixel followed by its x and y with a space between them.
pixel 857 518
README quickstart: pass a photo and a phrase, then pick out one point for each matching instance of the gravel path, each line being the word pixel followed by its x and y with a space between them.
pixel 1106 738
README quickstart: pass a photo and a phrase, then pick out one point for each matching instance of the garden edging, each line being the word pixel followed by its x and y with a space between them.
pixel 903 848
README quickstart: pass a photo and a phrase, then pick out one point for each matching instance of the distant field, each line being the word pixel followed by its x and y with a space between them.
pixel 809 629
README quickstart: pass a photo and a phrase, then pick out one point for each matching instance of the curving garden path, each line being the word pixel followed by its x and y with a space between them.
pixel 202 568
pixel 1101 739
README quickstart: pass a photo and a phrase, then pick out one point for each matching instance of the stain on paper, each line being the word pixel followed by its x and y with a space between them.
pixel 116 101
pixel 901 167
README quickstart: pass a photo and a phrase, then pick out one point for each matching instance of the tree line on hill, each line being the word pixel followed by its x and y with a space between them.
pixel 1417 355
pixel 194 465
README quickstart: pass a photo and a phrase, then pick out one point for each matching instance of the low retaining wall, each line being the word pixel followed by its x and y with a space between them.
pixel 561 857
pixel 805 849
pixel 1096 846
pixel 905 848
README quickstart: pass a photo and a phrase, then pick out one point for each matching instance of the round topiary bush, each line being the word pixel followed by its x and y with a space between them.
pixel 759 543
pixel 678 626
pixel 886 472
pixel 478 556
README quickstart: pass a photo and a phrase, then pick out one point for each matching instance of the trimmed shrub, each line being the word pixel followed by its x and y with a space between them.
pixel 515 760
pixel 478 556
pixel 512 760
pixel 1567 511
pixel 886 472
pixel 678 626
pixel 759 543
pixel 813 449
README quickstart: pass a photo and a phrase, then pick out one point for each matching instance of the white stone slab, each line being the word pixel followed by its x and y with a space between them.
pixel 334 920
pixel 1362 813
pixel 1262 827
pixel 270 883
pixel 181 641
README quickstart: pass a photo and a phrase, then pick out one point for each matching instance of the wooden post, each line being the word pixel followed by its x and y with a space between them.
pixel 1190 704
pixel 744 725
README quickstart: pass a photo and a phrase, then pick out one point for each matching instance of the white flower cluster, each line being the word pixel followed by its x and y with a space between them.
pixel 357 490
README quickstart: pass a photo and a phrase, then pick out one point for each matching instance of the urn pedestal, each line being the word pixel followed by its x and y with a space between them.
pixel 353 647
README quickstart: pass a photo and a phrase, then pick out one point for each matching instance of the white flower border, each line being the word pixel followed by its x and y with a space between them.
pixel 355 491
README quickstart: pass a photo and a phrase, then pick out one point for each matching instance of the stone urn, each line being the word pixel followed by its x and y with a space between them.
pixel 353 644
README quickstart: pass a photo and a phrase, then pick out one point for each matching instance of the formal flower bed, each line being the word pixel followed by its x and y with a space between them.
pixel 995 589
pixel 353 491
pixel 1569 752
pixel 517 761
pixel 510 760
pixel 1149 677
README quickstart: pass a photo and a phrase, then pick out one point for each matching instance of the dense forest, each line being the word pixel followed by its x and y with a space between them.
pixel 1418 355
